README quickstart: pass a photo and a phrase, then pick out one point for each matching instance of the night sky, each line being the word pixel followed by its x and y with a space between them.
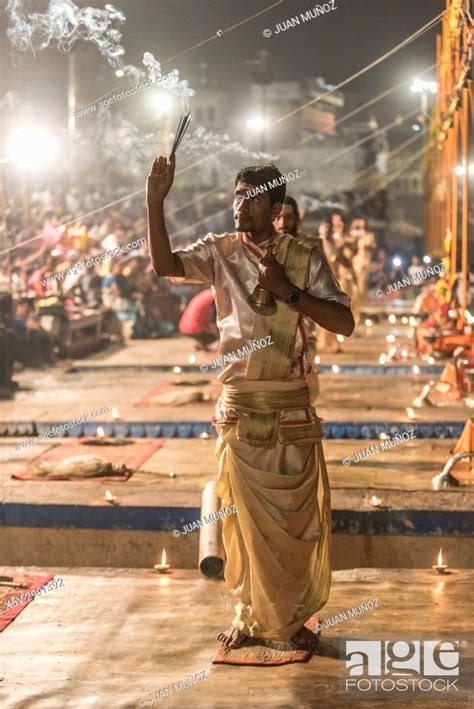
pixel 333 45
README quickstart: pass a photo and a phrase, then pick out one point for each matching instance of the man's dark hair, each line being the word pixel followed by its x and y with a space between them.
pixel 292 202
pixel 259 175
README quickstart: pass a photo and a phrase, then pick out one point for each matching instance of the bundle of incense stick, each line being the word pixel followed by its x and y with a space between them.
pixel 183 125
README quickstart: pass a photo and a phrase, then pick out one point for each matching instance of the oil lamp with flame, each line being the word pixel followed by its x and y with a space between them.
pixel 440 567
pixel 163 567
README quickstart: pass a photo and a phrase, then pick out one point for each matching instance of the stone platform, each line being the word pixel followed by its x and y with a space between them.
pixel 111 637
pixel 70 523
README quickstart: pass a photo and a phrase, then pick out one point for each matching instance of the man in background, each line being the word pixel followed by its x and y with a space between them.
pixel 199 320
pixel 289 220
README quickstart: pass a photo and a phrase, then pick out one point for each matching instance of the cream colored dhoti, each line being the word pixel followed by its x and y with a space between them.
pixel 277 543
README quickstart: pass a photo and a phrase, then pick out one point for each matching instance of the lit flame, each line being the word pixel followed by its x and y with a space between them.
pixel 115 413
pixel 416 369
pixel 368 322
pixel 382 359
pixel 317 359
pixel 412 321
pixel 100 433
pixel 375 501
pixel 192 359
pixel 440 558
pixel 177 370
pixel 410 413
pixel 405 320
pixel 335 369
pixel 392 319
pixel 431 360
pixel 109 497
pixel 404 353
pixel 340 338
pixel 163 558
pixel 390 338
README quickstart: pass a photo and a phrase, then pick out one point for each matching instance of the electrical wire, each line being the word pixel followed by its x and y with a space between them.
pixel 216 35
pixel 401 45
pixel 380 96
pixel 425 28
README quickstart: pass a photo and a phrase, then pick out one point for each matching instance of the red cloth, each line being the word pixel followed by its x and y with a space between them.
pixel 133 455
pixel 7 615
pixel 197 315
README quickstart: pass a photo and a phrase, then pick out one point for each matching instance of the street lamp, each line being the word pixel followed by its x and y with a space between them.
pixel 424 88
pixel 30 146
pixel 462 170
pixel 257 123
pixel 162 102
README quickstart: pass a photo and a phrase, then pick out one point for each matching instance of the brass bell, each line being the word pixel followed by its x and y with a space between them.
pixel 262 301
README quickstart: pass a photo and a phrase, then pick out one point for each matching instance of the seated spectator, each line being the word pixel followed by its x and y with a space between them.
pixel 116 295
pixel 33 345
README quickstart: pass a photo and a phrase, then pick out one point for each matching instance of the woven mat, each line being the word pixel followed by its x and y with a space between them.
pixel 169 394
pixel 260 652
pixel 133 456
pixel 7 593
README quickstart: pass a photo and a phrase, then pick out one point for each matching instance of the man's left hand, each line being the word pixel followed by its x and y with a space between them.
pixel 273 277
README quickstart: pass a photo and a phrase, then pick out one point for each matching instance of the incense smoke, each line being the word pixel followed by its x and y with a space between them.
pixel 64 23
pixel 202 142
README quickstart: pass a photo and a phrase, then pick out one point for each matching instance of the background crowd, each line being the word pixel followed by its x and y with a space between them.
pixel 45 291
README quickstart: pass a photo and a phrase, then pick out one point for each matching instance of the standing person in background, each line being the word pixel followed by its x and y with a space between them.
pixel 365 245
pixel 416 268
pixel 289 220
pixel 337 229
pixel 333 249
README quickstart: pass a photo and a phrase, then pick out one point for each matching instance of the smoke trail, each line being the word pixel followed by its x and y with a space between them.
pixel 202 142
pixel 64 23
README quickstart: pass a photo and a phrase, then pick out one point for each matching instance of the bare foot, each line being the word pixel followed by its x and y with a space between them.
pixel 232 637
pixel 305 638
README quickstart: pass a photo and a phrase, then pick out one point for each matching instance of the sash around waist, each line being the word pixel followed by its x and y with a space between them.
pixel 265 401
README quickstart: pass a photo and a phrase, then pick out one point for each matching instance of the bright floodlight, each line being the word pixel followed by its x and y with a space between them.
pixel 162 101
pixel 256 123
pixel 31 146
pixel 419 86
pixel 462 170
pixel 397 261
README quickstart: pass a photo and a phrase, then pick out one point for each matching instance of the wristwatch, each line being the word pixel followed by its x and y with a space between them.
pixel 293 297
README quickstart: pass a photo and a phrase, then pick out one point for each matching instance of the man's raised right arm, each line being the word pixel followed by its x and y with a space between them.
pixel 160 179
